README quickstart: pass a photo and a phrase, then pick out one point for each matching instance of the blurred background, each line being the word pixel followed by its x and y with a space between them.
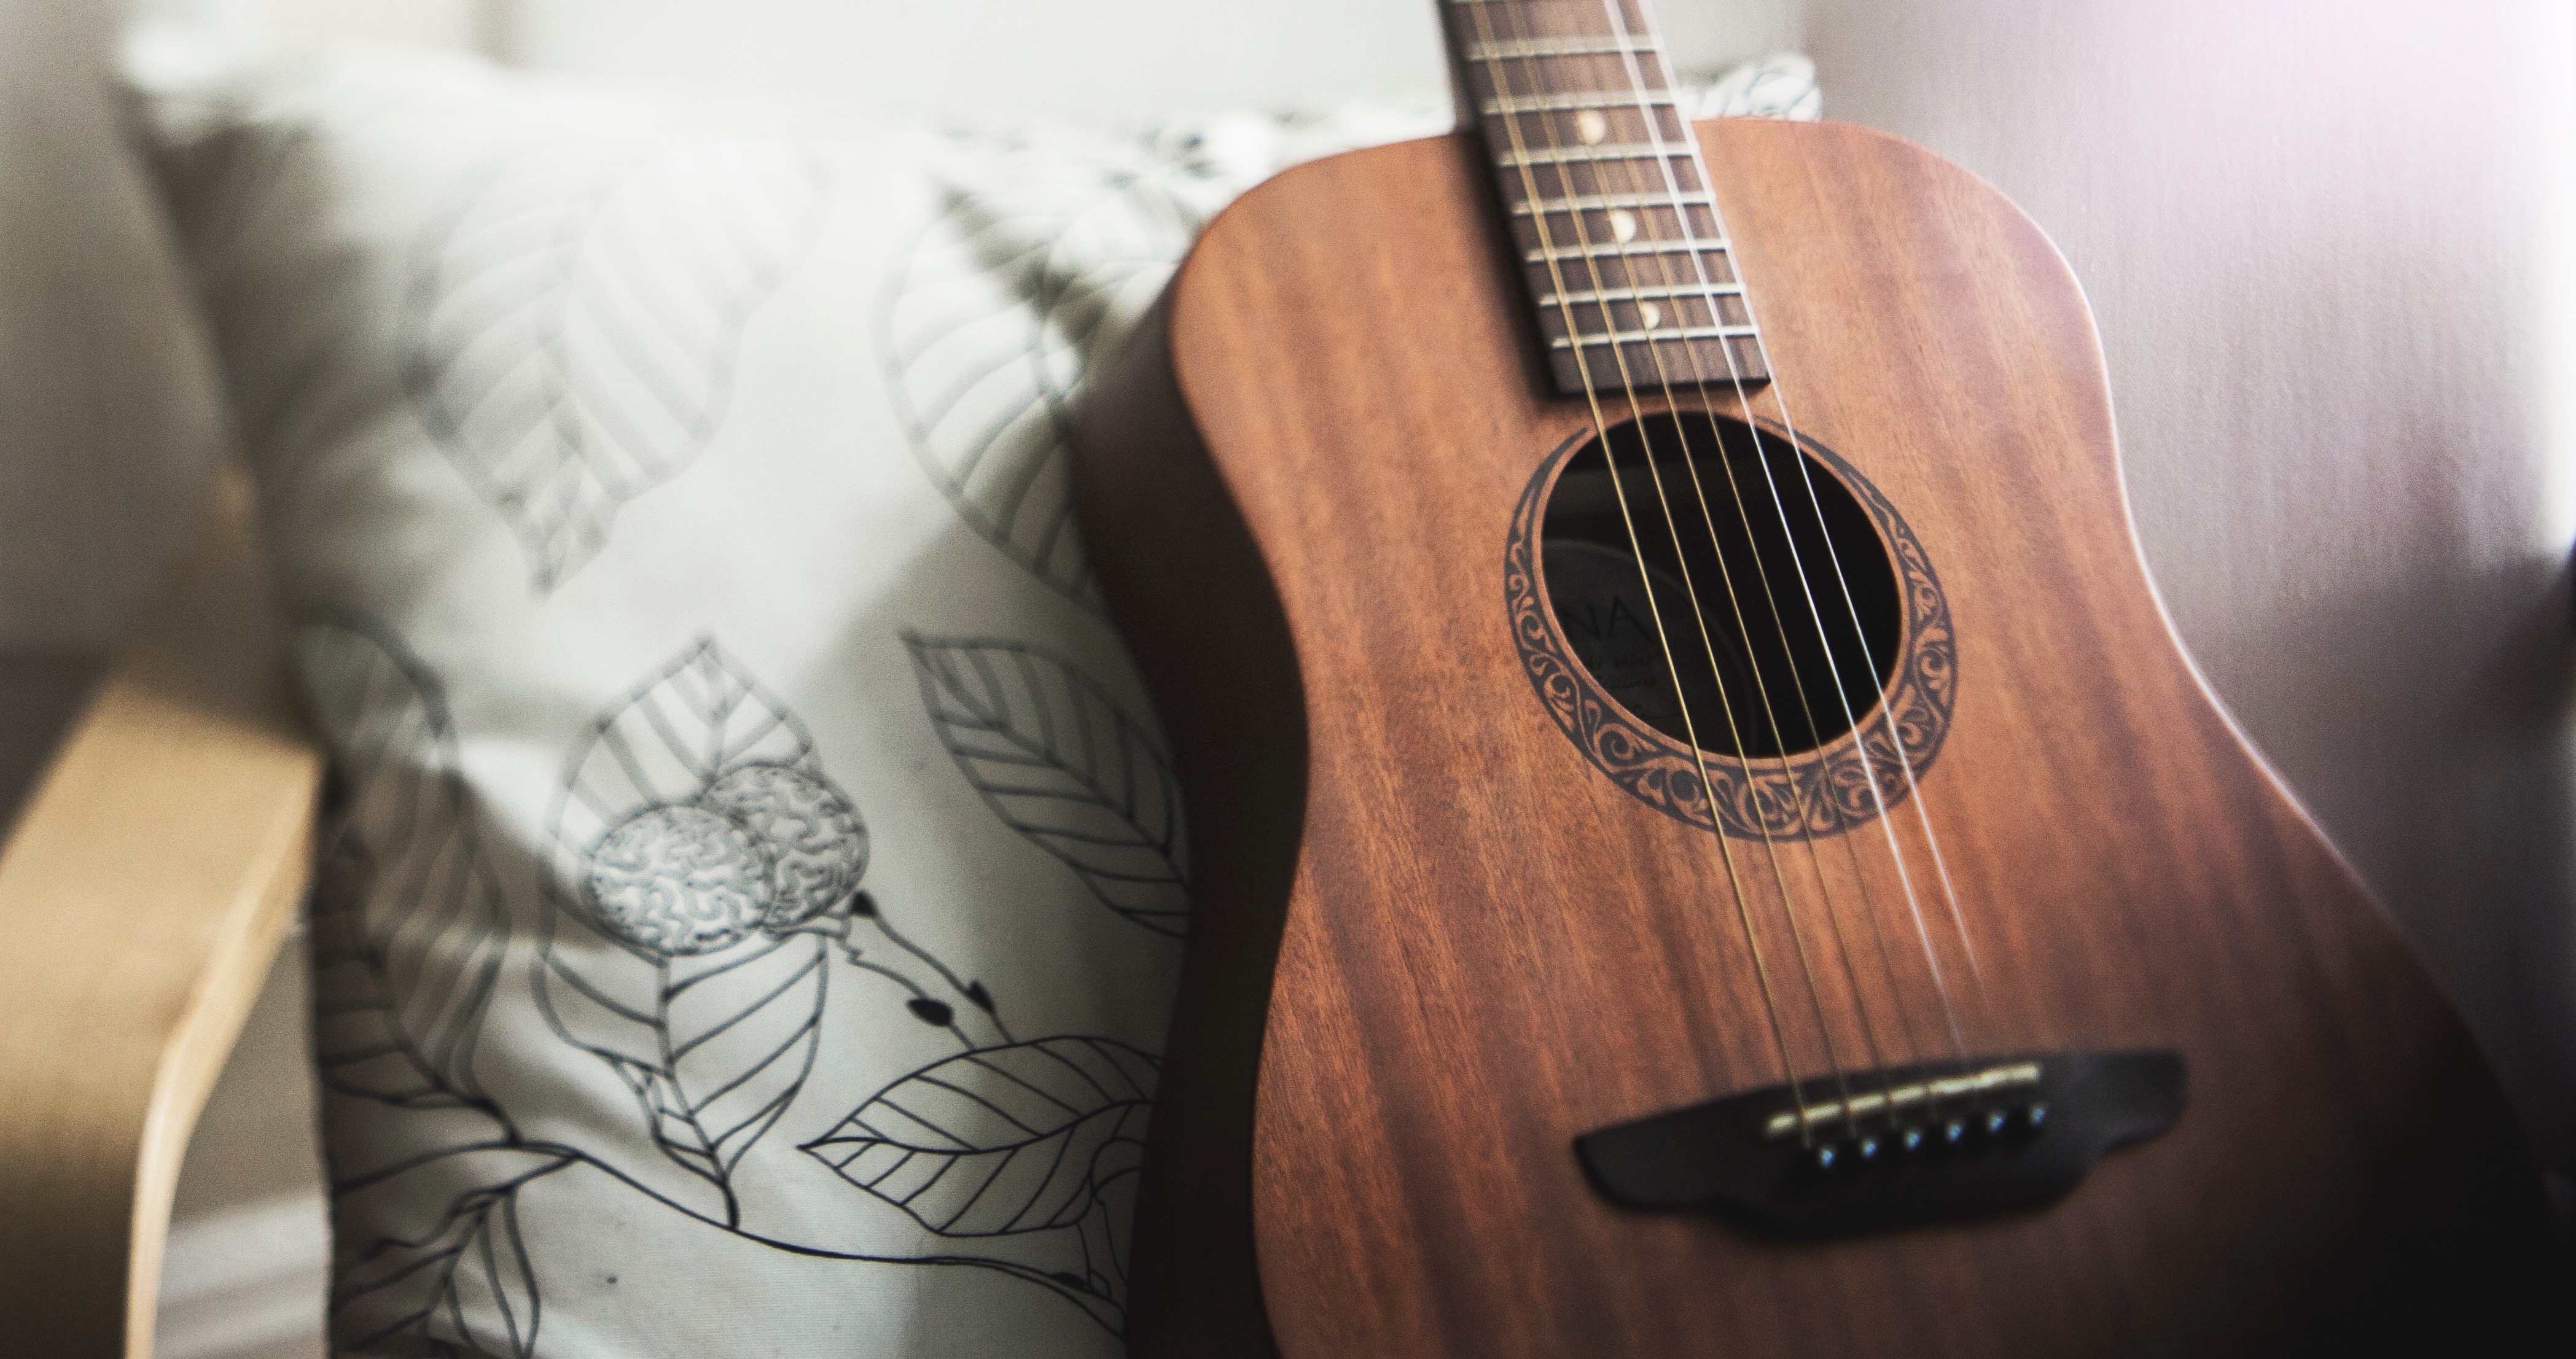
pixel 2331 245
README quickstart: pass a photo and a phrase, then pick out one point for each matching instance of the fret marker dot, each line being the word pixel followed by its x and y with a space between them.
pixel 1650 314
pixel 1623 225
pixel 1591 126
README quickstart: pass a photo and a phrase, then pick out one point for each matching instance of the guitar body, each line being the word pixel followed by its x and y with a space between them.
pixel 1435 940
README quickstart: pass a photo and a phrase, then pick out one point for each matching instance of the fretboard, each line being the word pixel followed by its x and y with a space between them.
pixel 1620 241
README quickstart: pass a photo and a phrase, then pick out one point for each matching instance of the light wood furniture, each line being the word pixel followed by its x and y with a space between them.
pixel 143 896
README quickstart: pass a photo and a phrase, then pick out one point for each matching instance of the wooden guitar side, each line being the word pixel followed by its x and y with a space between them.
pixel 1432 944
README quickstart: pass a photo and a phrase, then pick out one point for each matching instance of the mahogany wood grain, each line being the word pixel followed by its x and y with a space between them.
pixel 1447 944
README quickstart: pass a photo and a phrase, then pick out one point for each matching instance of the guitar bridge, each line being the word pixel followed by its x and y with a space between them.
pixel 1896 1147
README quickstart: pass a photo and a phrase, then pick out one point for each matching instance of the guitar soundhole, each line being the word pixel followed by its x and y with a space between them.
pixel 1765 588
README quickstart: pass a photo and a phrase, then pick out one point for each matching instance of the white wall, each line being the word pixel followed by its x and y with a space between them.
pixel 2328 244
pixel 1113 59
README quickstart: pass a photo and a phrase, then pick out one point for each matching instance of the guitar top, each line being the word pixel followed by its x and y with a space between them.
pixel 1704 840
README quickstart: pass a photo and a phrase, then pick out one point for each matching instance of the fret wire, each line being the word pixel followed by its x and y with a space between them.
pixel 1635 121
pixel 1608 300
pixel 1631 248
pixel 1684 291
pixel 1527 49
pixel 1501 106
pixel 1590 339
pixel 1604 153
pixel 1603 202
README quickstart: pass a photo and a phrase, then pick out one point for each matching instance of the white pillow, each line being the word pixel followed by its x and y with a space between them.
pixel 762 883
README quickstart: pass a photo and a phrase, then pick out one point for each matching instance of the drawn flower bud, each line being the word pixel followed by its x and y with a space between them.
pixel 816 847
pixel 679 880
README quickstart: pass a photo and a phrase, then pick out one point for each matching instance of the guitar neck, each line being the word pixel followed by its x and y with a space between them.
pixel 1624 255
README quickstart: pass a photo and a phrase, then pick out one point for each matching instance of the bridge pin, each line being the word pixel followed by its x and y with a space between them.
pixel 1953 1130
pixel 1868 1148
pixel 1827 1156
pixel 2035 1116
pixel 1911 1139
pixel 1995 1122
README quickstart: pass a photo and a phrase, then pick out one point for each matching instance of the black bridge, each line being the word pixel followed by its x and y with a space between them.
pixel 1911 1145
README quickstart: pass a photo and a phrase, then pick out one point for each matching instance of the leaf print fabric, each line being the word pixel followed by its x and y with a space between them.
pixel 699 813
pixel 1004 300
pixel 1064 767
pixel 758 936
pixel 452 1266
pixel 682 964
pixel 574 326
pixel 408 935
pixel 404 968
pixel 1001 1140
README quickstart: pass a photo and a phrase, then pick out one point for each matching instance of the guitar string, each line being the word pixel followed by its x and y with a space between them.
pixel 1843 585
pixel 1770 713
pixel 1664 154
pixel 1652 120
pixel 1887 715
pixel 1895 739
pixel 1500 81
pixel 1653 123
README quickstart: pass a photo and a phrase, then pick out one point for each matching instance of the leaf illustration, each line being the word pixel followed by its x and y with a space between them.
pixel 714 1046
pixel 1002 1140
pixel 409 925
pixel 573 328
pixel 445 1264
pixel 682 731
pixel 1061 764
pixel 696 837
pixel 1024 279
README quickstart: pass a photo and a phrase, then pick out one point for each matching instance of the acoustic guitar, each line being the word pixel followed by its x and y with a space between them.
pixel 1705 840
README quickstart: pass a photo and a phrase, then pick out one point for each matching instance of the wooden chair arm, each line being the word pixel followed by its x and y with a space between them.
pixel 143 897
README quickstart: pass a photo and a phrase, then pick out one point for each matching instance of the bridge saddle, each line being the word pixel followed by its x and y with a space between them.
pixel 1899 1147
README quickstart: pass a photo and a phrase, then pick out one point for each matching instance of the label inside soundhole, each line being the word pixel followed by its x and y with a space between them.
pixel 1600 601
